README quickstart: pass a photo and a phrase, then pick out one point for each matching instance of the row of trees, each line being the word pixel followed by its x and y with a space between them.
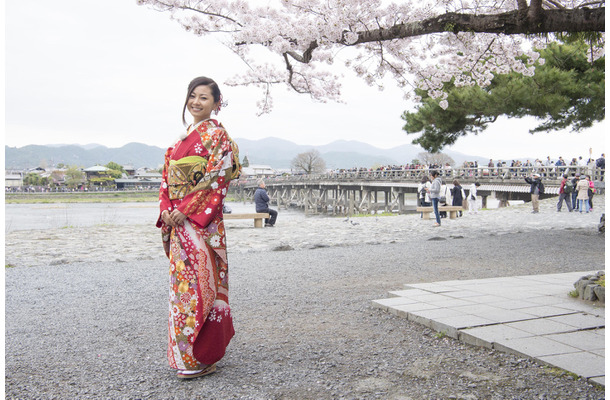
pixel 311 162
pixel 73 176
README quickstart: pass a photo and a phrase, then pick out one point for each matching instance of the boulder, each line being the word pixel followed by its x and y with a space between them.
pixel 581 284
pixel 589 292
pixel 600 292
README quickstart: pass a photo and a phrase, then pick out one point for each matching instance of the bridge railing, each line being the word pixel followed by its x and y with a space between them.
pixel 501 174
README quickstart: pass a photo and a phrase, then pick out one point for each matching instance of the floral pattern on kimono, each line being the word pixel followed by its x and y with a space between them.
pixel 196 176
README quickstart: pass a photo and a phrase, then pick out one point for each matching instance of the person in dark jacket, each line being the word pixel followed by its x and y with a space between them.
pixel 536 190
pixel 457 195
pixel 565 193
pixel 261 200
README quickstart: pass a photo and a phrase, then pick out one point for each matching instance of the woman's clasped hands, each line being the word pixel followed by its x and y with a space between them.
pixel 174 219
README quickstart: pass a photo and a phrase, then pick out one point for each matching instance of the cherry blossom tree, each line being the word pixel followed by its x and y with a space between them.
pixel 421 44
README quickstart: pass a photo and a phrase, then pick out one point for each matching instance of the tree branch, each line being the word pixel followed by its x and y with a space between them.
pixel 576 20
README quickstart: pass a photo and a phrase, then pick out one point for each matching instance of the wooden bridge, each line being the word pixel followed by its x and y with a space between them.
pixel 366 192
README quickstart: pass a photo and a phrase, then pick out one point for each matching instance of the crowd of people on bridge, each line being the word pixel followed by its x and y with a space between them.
pixel 548 168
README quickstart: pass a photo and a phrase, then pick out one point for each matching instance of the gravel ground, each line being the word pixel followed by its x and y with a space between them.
pixel 305 325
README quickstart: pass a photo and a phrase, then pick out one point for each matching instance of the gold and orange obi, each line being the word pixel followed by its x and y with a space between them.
pixel 184 174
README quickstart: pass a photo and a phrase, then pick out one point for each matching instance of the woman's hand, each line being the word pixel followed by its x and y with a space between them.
pixel 177 217
pixel 166 218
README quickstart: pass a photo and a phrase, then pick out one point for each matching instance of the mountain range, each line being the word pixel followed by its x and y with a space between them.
pixel 275 152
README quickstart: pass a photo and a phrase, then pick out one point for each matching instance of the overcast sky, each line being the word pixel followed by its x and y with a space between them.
pixel 112 72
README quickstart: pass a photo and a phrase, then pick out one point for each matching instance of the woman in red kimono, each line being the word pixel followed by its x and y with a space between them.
pixel 196 177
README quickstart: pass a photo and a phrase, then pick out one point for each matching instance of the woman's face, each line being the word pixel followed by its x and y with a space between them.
pixel 201 103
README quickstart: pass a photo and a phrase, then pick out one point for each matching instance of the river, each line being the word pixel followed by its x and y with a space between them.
pixel 59 215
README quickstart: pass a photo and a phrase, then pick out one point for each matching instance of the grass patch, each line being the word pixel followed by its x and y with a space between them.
pixel 88 197
pixel 573 293
pixel 602 281
pixel 10 266
pixel 440 335
pixel 82 197
pixel 560 372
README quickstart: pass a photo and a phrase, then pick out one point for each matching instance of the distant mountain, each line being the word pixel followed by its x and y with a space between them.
pixel 136 154
pixel 278 153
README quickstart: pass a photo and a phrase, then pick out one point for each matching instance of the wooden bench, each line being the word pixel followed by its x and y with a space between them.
pixel 453 210
pixel 258 217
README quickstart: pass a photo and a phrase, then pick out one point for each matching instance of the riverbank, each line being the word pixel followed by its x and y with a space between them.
pixel 81 197
pixel 125 243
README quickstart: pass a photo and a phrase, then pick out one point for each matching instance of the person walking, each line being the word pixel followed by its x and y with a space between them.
pixel 536 189
pixel 565 192
pixel 196 176
pixel 457 195
pixel 435 190
pixel 583 194
pixel 473 206
pixel 261 201
pixel 575 179
pixel 591 191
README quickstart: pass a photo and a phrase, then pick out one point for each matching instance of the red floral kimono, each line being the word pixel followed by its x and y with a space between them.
pixel 196 177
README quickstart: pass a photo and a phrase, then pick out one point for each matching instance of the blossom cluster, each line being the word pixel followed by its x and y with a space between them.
pixel 308 37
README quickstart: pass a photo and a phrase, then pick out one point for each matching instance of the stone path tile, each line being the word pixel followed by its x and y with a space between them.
pixel 512 304
pixel 465 321
pixel 584 363
pixel 584 340
pixel 546 311
pixel 580 320
pixel 525 315
pixel 534 346
pixel 541 326
pixel 393 301
pixel 405 309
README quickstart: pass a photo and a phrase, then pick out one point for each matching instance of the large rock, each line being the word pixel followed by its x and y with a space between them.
pixel 600 292
pixel 581 284
pixel 589 292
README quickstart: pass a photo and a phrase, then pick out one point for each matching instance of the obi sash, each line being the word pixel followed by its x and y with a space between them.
pixel 184 174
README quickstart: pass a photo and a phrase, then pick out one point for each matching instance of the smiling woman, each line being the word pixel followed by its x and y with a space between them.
pixel 196 176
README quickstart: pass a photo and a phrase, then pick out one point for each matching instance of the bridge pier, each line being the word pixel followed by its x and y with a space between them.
pixel 350 196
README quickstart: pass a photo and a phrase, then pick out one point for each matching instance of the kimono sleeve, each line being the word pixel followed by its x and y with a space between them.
pixel 164 201
pixel 205 201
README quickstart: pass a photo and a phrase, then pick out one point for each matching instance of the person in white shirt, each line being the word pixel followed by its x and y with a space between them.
pixel 473 206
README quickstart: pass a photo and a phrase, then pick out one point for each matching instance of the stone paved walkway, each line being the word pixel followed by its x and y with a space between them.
pixel 531 316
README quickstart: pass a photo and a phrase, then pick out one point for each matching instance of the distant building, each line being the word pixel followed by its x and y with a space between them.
pixel 97 171
pixel 258 171
pixel 143 178
pixel 13 179
pixel 129 170
pixel 137 184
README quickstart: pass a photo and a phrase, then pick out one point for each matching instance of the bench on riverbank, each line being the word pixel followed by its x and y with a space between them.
pixel 258 217
pixel 453 210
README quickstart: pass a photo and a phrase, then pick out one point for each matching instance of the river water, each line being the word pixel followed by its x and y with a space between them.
pixel 62 215
pixel 59 215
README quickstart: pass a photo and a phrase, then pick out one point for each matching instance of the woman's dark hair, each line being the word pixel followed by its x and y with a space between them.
pixel 434 173
pixel 201 81
pixel 456 183
pixel 424 179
